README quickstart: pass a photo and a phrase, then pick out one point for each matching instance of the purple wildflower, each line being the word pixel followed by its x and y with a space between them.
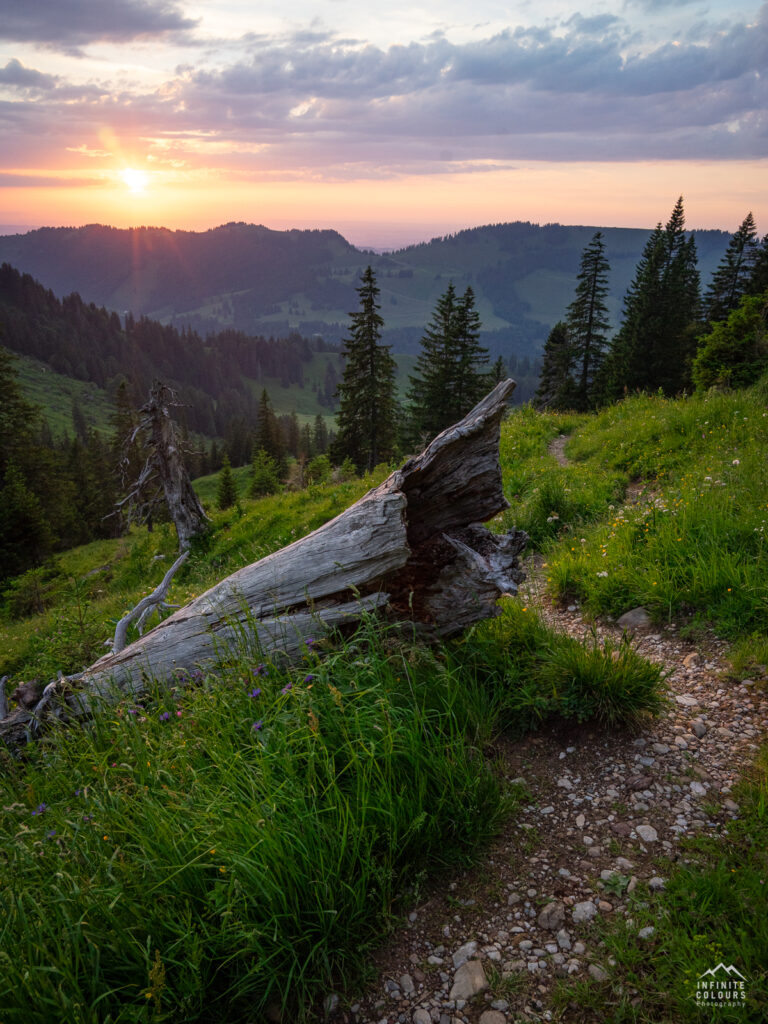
pixel 132 711
pixel 310 641
pixel 261 670
pixel 40 809
pixel 165 716
pixel 50 834
pixel 257 725
pixel 287 687
pixel 255 693
pixel 309 678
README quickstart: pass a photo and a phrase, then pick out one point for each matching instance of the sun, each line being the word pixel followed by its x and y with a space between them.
pixel 136 181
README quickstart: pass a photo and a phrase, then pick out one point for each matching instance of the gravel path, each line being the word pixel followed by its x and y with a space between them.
pixel 609 812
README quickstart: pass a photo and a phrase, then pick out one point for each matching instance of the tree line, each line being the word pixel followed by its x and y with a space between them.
pixel 671 338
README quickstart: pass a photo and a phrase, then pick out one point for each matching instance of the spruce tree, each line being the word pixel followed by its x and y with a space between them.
pixel 366 417
pixel 587 322
pixel 226 493
pixel 657 337
pixel 264 478
pixel 429 394
pixel 470 375
pixel 731 279
pixel 557 389
pixel 758 279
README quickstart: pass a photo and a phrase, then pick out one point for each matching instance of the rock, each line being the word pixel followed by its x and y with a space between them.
pixel 563 939
pixel 392 989
pixel 580 821
pixel 637 618
pixel 565 783
pixel 579 948
pixel 660 748
pixel 623 864
pixel 638 782
pixel 407 985
pixel 647 833
pixel 584 912
pixel 723 733
pixel 731 805
pixel 621 828
pixel 698 728
pixel 597 973
pixel 646 933
pixel 656 884
pixel 697 789
pixel 692 659
pixel 686 700
pixel 469 981
pixel 500 1004
pixel 331 1003
pixel 463 953
pixel 492 1017
pixel 552 917
pixel 421 1017
pixel 680 743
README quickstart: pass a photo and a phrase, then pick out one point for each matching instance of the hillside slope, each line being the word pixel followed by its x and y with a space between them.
pixel 261 281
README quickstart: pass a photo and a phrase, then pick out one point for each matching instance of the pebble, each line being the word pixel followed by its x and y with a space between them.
pixel 469 981
pixel 646 933
pixel 647 833
pixel 597 973
pixel 584 912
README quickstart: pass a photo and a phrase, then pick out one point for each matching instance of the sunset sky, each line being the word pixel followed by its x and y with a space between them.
pixel 391 123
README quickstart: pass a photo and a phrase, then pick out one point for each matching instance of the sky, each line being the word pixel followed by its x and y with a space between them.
pixel 392 123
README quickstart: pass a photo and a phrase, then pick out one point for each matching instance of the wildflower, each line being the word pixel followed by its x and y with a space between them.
pixel 736 462
pixel 257 725
pixel 309 678
pixel 40 809
pixel 255 693
pixel 50 834
pixel 165 716
pixel 178 714
pixel 310 642
pixel 261 670
pixel 287 687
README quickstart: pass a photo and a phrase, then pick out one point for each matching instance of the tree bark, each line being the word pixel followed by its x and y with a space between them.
pixel 412 546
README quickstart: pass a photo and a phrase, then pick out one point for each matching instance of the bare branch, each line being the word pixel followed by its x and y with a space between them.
pixel 146 606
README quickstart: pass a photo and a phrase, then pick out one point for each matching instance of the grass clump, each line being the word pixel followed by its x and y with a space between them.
pixel 535 673
pixel 714 910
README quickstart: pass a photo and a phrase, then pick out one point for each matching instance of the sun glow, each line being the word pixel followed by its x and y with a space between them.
pixel 136 181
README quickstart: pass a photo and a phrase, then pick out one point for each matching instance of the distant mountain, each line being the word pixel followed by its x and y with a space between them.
pixel 260 281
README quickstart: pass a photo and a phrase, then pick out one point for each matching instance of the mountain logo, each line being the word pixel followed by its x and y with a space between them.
pixel 730 970
pixel 723 985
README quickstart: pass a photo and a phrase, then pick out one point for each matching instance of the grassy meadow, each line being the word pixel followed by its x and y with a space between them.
pixel 235 845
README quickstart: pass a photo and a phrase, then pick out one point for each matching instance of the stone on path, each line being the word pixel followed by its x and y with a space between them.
pixel 647 833
pixel 647 932
pixel 421 1016
pixel 637 618
pixel 463 953
pixel 584 912
pixel 469 981
pixel 597 973
pixel 492 1017
pixel 552 917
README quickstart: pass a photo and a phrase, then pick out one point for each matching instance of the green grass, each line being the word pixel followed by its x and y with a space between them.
pixel 713 910
pixel 242 842
pixel 55 393
pixel 694 548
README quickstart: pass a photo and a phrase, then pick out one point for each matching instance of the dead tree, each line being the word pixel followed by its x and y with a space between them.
pixel 166 463
pixel 413 547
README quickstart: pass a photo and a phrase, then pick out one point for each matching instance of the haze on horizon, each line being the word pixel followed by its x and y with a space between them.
pixel 391 126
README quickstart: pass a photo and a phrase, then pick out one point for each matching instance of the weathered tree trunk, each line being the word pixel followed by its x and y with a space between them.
pixel 166 461
pixel 414 545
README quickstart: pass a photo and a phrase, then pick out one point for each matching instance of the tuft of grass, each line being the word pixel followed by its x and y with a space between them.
pixel 535 673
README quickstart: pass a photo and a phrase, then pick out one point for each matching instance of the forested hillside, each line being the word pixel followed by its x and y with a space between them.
pixel 270 282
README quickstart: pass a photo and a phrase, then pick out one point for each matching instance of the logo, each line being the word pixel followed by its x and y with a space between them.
pixel 721 986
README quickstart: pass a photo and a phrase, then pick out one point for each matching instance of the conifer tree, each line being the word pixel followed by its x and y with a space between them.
pixel 758 280
pixel 499 372
pixel 264 478
pixel 656 340
pixel 226 493
pixel 587 323
pixel 366 416
pixel 269 437
pixel 320 435
pixel 732 278
pixel 470 376
pixel 556 389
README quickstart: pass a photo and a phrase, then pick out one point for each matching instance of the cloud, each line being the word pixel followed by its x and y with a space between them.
pixel 68 24
pixel 312 105
pixel 15 75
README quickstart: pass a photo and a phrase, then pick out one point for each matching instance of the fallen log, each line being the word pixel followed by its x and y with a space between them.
pixel 412 546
